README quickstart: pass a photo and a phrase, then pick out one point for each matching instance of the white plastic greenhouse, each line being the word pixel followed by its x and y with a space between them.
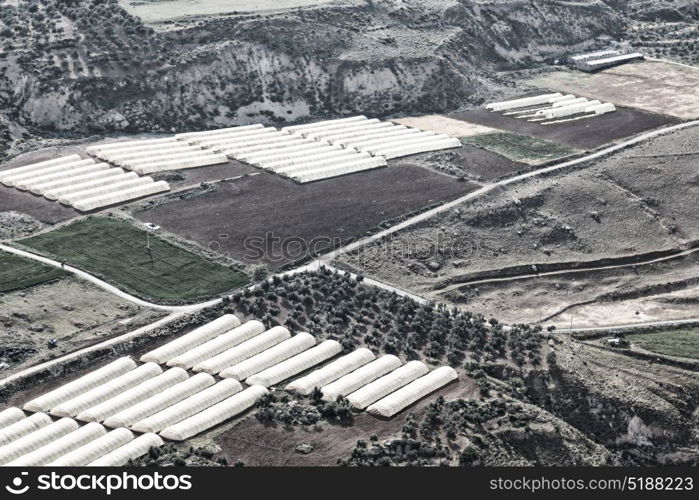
pixel 217 345
pixel 220 131
pixel 341 169
pixel 110 176
pixel 188 407
pixel 263 157
pixel 61 446
pixel 94 449
pixel 115 185
pixel 121 196
pixel 158 402
pixel 288 348
pixel 296 364
pixel 103 172
pixel 373 129
pixel 241 352
pixel 570 110
pixel 360 377
pixel 14 180
pixel 10 416
pixel 38 166
pixel 196 337
pixel 420 147
pixel 159 152
pixel 273 146
pixel 295 128
pixel 523 102
pixel 37 439
pixel 130 451
pixel 331 371
pixel 23 427
pixel 313 160
pixel 125 145
pixel 216 140
pixel 414 391
pixel 379 388
pixel 204 160
pixel 130 397
pixel 107 390
pixel 28 184
pixel 68 391
pixel 395 131
pixel 133 163
pixel 214 415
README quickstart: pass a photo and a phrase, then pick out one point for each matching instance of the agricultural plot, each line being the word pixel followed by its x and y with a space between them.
pixel 266 218
pixel 440 124
pixel 17 273
pixel 520 148
pixel 118 252
pixel 683 343
pixel 579 134
pixel 651 86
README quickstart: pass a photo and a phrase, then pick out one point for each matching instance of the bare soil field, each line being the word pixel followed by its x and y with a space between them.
pixel 267 207
pixel 38 207
pixel 652 86
pixel 638 201
pixel 193 176
pixel 471 162
pixel 441 124
pixel 73 312
pixel 589 133
pixel 257 444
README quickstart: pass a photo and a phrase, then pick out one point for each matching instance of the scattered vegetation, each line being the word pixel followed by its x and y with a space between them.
pixel 171 455
pixel 519 147
pixel 123 254
pixel 336 305
pixel 472 432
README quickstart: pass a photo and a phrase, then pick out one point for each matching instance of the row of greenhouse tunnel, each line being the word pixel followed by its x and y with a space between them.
pixel 195 382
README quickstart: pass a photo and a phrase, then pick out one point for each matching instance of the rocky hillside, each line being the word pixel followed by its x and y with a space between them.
pixel 89 66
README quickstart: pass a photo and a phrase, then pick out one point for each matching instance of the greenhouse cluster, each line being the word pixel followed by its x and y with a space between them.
pixel 85 185
pixel 549 109
pixel 199 380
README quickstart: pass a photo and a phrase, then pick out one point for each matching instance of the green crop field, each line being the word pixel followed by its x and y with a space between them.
pixel 117 252
pixel 518 147
pixel 17 273
pixel 684 343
